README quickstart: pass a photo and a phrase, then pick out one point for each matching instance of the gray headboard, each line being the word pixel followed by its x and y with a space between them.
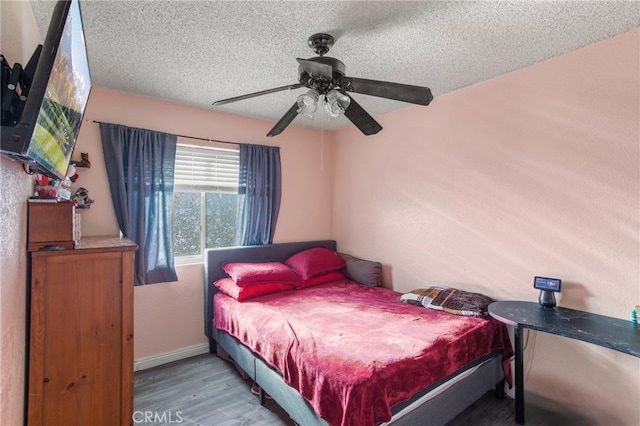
pixel 215 258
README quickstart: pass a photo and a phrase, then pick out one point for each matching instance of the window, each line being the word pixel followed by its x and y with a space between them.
pixel 205 210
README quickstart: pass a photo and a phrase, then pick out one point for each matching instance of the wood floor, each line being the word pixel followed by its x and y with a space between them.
pixel 205 390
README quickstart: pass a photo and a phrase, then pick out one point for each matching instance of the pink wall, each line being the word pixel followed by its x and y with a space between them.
pixel 169 317
pixel 531 173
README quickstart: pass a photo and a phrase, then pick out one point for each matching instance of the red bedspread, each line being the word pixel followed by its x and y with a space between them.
pixel 354 351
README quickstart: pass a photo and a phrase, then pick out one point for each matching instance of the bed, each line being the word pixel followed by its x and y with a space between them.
pixel 381 388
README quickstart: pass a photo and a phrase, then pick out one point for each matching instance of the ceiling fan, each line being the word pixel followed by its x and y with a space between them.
pixel 326 79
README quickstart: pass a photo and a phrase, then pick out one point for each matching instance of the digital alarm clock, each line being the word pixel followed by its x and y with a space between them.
pixel 547 287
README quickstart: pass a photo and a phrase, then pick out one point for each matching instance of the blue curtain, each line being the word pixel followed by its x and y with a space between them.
pixel 140 166
pixel 260 182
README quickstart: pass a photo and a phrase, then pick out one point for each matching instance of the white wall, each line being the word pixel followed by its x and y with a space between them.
pixel 18 39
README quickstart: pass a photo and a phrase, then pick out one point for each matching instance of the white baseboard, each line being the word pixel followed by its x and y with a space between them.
pixel 167 357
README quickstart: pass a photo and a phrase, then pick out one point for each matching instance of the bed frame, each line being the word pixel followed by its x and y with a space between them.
pixel 437 410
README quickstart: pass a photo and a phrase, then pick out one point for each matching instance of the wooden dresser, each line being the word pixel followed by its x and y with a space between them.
pixel 81 334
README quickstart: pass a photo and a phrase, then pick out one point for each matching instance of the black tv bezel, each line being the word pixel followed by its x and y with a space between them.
pixel 16 140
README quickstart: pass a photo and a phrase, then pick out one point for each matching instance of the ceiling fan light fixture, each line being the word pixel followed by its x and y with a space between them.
pixel 337 103
pixel 327 81
pixel 308 103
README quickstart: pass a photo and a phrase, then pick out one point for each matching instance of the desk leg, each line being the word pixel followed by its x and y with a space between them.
pixel 519 375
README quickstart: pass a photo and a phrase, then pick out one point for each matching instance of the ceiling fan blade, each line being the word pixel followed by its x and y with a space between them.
pixel 361 118
pixel 286 119
pixel 384 89
pixel 253 95
pixel 316 69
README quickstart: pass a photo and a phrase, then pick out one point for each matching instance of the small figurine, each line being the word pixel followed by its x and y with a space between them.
pixel 81 197
pixel 84 162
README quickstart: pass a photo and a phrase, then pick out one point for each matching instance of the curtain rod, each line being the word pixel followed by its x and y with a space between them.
pixel 180 136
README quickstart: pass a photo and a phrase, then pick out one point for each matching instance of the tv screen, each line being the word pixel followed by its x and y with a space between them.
pixel 47 131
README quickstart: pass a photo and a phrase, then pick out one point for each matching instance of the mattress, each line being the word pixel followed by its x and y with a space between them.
pixel 354 351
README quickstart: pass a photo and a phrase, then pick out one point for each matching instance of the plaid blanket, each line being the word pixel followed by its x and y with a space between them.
pixel 451 300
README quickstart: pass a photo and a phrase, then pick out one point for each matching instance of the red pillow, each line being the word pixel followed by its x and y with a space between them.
pixel 323 279
pixel 230 288
pixel 251 273
pixel 316 261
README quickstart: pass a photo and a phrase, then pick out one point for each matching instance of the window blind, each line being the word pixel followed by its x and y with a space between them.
pixel 206 169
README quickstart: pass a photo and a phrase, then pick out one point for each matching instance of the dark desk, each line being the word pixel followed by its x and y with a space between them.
pixel 612 333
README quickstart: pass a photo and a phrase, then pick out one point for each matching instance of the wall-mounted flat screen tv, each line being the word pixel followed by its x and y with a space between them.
pixel 45 132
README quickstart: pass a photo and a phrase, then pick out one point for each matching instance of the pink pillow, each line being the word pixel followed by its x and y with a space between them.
pixel 323 279
pixel 316 261
pixel 230 288
pixel 249 273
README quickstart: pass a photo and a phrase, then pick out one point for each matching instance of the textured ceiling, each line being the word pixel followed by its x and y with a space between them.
pixel 197 52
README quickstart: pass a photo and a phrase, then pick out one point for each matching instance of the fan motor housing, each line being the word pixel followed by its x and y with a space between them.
pixel 337 66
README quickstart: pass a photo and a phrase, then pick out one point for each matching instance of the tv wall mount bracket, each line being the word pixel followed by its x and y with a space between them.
pixel 16 82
